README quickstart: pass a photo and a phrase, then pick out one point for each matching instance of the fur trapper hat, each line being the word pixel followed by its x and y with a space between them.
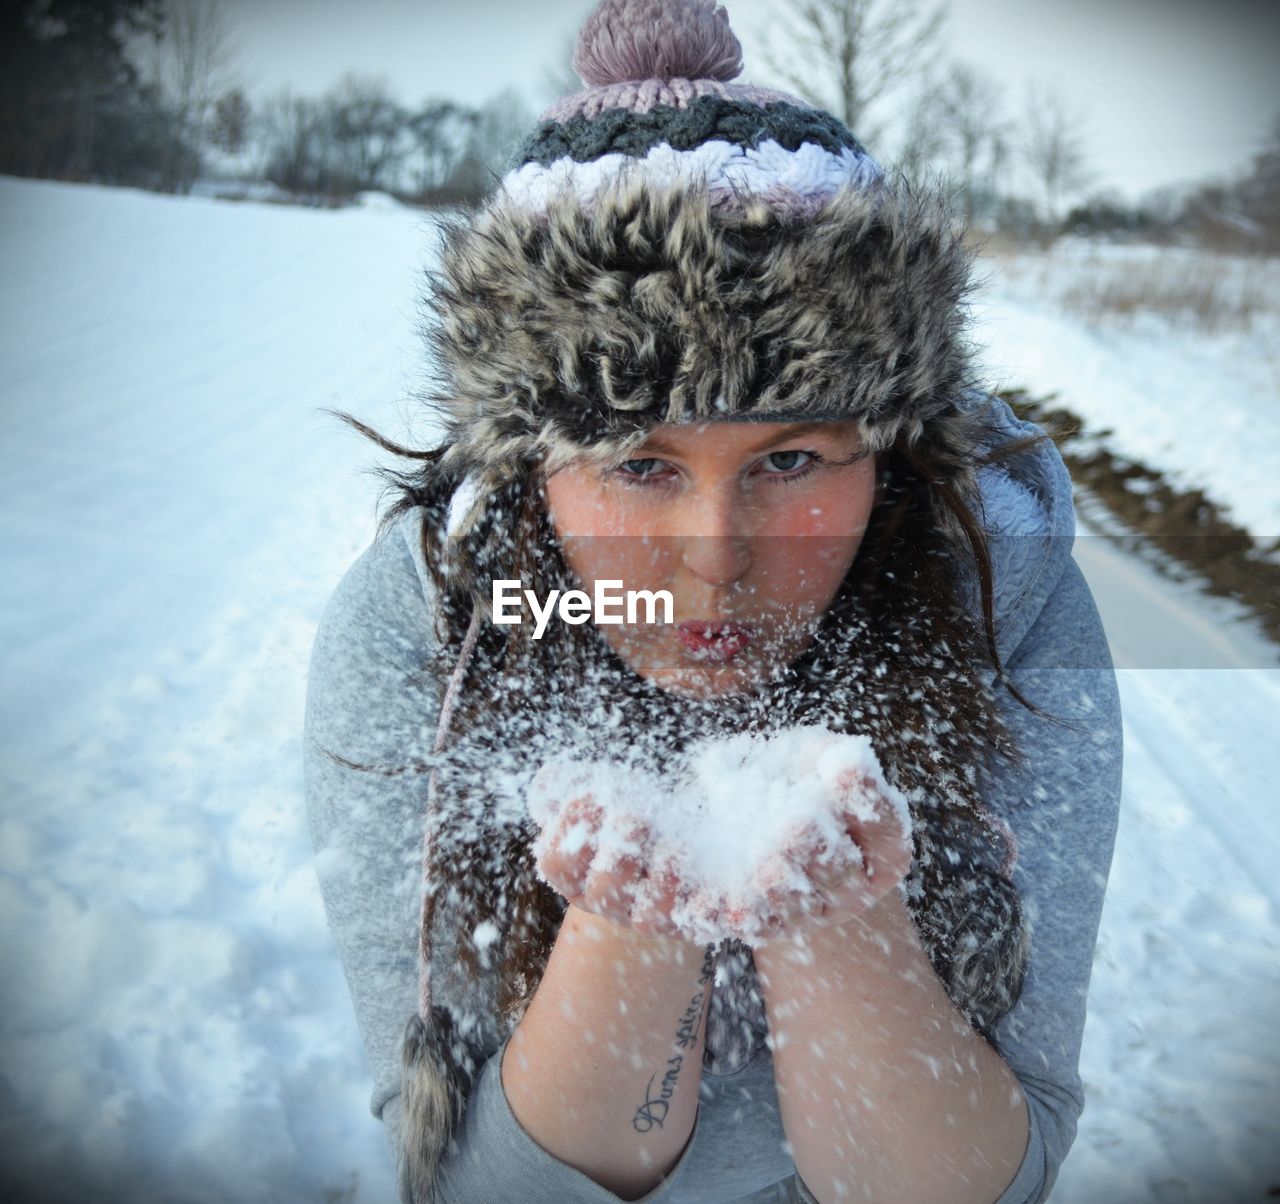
pixel 670 247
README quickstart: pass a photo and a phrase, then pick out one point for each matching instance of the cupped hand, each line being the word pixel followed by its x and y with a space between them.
pixel 636 888
pixel 810 881
pixel 808 884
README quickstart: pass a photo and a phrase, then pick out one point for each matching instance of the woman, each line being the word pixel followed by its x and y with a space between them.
pixel 698 343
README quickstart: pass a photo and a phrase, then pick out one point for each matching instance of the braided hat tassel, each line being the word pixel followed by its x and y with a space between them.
pixel 437 1067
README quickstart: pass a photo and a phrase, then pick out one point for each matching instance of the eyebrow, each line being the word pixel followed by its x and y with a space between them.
pixel 657 443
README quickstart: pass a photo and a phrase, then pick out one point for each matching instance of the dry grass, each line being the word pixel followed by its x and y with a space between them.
pixel 1189 526
pixel 1209 293
pixel 996 244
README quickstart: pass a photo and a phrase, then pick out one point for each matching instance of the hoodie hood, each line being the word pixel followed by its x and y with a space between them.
pixel 1028 510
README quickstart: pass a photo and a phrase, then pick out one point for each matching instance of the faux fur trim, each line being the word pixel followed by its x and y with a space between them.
pixel 571 332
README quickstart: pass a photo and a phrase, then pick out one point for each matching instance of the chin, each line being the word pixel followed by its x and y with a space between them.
pixel 703 679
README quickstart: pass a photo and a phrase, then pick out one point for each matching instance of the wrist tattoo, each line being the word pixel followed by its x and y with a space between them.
pixel 653 1111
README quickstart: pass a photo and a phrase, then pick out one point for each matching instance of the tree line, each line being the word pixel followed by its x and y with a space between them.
pixel 1016 164
pixel 145 92
pixel 358 137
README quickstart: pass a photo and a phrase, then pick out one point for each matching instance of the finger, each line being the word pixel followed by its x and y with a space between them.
pixel 865 804
pixel 788 871
pixel 612 893
pixel 769 900
pixel 885 843
pixel 622 851
pixel 581 809
pixel 764 923
pixel 661 891
pixel 800 903
pixel 830 888
pixel 568 875
pixel 843 887
pixel 565 851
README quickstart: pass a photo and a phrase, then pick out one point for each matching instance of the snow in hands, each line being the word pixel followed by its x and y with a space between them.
pixel 735 827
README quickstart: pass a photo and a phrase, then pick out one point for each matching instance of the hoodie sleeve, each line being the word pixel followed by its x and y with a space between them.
pixel 367 702
pixel 1064 811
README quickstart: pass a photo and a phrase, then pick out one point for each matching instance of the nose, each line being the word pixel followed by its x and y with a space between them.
pixel 714 537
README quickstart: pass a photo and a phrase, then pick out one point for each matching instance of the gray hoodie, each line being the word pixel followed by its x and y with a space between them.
pixel 367 701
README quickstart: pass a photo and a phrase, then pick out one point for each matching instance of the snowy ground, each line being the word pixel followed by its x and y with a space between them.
pixel 1204 408
pixel 175 513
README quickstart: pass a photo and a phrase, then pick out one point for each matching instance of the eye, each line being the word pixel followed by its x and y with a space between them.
pixel 793 472
pixel 639 472
pixel 791 458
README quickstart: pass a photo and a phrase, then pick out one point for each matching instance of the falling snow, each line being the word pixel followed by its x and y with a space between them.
pixel 177 511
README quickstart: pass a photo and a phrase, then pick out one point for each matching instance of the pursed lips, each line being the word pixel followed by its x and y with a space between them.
pixel 716 640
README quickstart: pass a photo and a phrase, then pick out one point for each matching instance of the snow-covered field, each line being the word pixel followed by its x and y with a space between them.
pixel 175 513
pixel 1204 408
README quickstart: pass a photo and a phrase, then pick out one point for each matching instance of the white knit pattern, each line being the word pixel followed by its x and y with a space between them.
pixel 808 171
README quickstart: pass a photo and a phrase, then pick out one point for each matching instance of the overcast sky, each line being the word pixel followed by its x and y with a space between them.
pixel 1170 91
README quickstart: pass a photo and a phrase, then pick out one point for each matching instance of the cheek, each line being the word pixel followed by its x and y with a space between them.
pixel 638 563
pixel 837 508
pixel 574 504
pixel 815 535
pixel 603 537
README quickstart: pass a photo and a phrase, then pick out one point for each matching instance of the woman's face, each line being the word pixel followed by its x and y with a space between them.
pixel 742 522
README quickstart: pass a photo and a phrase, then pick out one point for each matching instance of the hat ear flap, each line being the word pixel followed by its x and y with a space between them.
pixel 484 513
pixel 436 1076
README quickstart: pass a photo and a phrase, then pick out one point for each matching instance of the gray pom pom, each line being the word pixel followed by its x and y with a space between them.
pixel 632 40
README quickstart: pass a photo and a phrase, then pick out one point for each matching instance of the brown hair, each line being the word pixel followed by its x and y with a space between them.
pixel 932 720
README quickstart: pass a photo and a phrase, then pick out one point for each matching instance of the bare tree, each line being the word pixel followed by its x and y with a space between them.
pixel 229 127
pixel 294 140
pixel 922 143
pixel 854 56
pixel 1234 213
pixel 500 124
pixel 1053 147
pixel 191 66
pixel 999 151
pixel 1260 191
pixel 971 118
pixel 369 133
pixel 441 132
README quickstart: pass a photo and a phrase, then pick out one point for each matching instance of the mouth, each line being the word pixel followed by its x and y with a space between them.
pixel 714 639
